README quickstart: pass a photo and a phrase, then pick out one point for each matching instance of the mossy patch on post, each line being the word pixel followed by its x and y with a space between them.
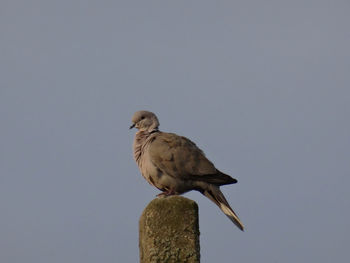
pixel 169 231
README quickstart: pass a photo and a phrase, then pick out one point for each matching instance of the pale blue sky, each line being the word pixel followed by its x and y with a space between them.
pixel 263 87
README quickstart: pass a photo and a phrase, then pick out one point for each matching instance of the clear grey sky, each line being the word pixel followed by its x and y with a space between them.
pixel 263 87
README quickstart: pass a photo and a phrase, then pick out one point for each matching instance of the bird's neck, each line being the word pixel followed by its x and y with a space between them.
pixel 142 138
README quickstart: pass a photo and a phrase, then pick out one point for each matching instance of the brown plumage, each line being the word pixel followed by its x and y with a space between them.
pixel 175 165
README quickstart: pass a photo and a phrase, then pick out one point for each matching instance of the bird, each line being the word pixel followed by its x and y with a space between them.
pixel 175 165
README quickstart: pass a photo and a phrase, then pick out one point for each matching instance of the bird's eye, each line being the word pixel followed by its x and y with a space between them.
pixel 142 117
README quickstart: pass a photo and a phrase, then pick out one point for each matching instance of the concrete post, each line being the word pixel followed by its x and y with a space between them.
pixel 169 231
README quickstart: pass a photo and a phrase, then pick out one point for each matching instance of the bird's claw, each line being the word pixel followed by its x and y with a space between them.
pixel 166 193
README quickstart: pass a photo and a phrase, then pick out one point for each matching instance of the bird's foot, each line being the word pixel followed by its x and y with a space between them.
pixel 166 193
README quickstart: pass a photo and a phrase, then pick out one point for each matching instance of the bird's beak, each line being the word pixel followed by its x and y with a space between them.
pixel 132 126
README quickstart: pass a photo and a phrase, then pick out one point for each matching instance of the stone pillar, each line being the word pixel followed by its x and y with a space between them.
pixel 169 231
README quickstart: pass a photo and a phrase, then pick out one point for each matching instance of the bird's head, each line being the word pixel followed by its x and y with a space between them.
pixel 145 121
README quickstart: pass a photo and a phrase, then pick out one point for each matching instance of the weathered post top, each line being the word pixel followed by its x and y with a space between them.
pixel 169 231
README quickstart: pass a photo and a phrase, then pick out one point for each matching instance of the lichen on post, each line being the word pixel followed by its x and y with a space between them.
pixel 169 231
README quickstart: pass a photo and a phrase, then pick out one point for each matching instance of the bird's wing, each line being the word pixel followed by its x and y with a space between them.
pixel 179 157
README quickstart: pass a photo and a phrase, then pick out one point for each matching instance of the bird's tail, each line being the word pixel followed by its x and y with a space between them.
pixel 214 194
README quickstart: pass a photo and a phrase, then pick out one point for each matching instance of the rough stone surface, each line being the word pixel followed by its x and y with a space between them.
pixel 169 231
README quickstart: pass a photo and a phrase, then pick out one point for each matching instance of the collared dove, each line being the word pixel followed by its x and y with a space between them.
pixel 175 165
